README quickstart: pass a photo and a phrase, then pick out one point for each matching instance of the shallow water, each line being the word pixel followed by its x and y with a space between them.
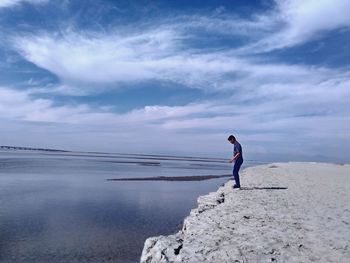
pixel 59 207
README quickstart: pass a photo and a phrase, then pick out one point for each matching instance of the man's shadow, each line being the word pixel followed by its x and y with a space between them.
pixel 264 188
pixel 261 188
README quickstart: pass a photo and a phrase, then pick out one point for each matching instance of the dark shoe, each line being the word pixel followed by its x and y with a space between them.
pixel 236 186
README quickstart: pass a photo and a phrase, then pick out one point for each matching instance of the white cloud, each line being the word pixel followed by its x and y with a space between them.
pixel 301 21
pixel 63 89
pixel 100 59
pixel 223 24
pixel 12 3
pixel 307 18
pixel 154 55
pixel 19 105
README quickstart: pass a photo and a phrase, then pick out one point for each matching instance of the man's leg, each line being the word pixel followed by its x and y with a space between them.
pixel 236 168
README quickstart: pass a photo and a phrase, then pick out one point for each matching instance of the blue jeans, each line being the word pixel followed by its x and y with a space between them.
pixel 235 171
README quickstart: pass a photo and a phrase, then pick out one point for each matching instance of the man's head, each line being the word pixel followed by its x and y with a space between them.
pixel 231 139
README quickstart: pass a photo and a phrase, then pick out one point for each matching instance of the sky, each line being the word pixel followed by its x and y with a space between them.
pixel 178 77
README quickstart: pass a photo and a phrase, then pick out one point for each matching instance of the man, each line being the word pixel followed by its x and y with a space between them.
pixel 237 159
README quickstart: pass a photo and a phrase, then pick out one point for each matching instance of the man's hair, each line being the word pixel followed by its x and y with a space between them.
pixel 231 137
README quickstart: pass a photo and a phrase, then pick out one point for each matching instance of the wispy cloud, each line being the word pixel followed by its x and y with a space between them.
pixel 300 21
pixel 164 53
pixel 76 57
pixel 157 55
pixel 12 3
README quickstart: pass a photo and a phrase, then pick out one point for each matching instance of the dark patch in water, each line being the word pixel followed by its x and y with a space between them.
pixel 172 178
pixel 150 164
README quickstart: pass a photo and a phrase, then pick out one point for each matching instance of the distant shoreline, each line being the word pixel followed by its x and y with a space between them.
pixel 6 147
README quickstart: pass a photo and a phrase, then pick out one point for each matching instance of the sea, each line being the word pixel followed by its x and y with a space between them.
pixel 64 207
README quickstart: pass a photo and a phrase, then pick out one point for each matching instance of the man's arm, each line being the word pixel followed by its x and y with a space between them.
pixel 235 157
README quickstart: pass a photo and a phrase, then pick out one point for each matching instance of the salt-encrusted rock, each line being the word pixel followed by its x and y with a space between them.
pixel 168 248
pixel 162 249
pixel 287 212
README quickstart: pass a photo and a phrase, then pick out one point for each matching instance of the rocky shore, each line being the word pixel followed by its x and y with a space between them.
pixel 285 212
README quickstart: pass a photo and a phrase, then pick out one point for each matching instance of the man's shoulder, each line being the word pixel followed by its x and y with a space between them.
pixel 237 143
pixel 238 147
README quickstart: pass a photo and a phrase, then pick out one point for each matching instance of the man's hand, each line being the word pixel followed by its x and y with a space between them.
pixel 234 158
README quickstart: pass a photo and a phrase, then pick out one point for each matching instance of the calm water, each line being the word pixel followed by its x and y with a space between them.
pixel 59 207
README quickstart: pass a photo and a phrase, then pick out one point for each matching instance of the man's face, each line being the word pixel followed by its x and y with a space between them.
pixel 232 141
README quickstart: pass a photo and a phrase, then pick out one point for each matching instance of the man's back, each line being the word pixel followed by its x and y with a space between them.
pixel 238 149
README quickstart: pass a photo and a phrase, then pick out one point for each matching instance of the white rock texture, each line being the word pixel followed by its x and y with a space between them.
pixel 307 222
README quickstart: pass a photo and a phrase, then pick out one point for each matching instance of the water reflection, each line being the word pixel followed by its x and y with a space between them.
pixel 60 208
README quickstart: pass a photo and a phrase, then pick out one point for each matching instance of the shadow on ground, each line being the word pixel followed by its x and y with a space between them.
pixel 264 188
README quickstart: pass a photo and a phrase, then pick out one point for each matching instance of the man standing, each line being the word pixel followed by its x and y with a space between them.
pixel 237 159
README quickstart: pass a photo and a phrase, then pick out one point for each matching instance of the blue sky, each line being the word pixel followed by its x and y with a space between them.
pixel 177 77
